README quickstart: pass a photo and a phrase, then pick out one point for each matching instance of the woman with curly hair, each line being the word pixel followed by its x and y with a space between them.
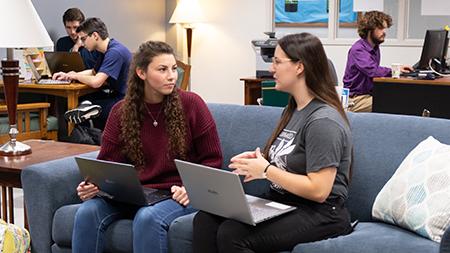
pixel 155 123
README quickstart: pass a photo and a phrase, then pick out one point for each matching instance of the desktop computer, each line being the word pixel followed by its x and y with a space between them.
pixel 434 51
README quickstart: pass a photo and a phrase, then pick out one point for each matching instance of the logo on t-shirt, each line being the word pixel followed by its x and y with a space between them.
pixel 279 152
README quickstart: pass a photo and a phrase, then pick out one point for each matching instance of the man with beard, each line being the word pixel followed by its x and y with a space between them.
pixel 363 61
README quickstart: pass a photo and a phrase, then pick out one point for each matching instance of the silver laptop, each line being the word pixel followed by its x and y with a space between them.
pixel 119 182
pixel 39 79
pixel 220 192
pixel 64 61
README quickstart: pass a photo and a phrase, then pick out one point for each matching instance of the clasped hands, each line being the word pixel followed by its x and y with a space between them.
pixel 250 164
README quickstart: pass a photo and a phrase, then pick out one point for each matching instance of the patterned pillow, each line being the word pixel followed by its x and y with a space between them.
pixel 13 239
pixel 417 197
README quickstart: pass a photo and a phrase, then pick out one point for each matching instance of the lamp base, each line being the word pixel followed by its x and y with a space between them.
pixel 14 148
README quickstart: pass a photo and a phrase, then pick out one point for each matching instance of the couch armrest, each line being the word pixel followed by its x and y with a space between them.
pixel 48 186
pixel 445 242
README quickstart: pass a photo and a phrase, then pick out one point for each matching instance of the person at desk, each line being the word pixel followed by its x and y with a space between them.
pixel 111 71
pixel 363 61
pixel 72 18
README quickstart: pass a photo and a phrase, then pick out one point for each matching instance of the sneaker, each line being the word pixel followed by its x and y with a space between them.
pixel 85 111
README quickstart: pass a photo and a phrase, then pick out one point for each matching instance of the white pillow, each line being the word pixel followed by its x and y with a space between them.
pixel 417 197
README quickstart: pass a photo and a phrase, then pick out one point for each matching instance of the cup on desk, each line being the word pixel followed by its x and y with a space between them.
pixel 395 67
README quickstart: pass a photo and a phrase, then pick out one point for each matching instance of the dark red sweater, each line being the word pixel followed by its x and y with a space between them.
pixel 160 171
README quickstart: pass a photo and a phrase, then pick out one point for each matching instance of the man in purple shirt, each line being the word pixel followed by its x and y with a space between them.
pixel 363 62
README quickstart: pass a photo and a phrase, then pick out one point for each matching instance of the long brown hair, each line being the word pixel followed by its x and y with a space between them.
pixel 307 49
pixel 134 111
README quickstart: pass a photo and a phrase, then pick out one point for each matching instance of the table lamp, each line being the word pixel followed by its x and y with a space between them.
pixel 187 13
pixel 21 27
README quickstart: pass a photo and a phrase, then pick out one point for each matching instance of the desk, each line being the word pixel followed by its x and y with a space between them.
pixel 252 89
pixel 11 167
pixel 411 96
pixel 70 91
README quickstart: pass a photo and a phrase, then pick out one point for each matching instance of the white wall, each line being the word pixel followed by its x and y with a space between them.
pixel 222 52
pixel 130 22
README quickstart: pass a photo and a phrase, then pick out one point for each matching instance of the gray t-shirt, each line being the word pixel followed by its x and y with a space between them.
pixel 316 137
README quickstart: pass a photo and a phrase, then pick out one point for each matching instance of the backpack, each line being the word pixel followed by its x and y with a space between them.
pixel 85 135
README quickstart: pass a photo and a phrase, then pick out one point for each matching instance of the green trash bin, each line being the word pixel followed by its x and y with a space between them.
pixel 272 97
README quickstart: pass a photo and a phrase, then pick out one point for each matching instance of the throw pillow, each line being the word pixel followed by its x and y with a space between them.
pixel 13 239
pixel 417 197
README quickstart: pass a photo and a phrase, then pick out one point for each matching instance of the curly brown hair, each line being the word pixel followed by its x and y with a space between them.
pixel 134 109
pixel 372 20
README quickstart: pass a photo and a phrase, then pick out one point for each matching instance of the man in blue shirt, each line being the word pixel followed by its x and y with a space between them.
pixel 72 19
pixel 363 61
pixel 110 72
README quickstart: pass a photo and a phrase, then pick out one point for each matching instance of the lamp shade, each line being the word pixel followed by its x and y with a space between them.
pixel 187 12
pixel 21 26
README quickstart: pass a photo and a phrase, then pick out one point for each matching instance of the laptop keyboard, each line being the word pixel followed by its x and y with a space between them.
pixel 51 81
pixel 153 195
pixel 259 210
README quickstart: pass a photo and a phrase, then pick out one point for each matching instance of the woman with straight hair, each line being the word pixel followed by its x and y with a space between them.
pixel 306 160
pixel 153 125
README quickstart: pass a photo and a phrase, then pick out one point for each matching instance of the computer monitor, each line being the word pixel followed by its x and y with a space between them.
pixel 435 45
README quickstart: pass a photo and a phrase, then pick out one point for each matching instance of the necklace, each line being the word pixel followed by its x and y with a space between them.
pixel 155 123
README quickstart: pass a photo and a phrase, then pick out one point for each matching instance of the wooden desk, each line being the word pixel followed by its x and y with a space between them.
pixel 252 89
pixel 411 96
pixel 70 91
pixel 42 151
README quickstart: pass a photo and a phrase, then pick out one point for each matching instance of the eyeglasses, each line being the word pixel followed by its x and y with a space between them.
pixel 277 61
pixel 83 38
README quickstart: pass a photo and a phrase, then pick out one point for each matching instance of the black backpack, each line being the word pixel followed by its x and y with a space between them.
pixel 85 134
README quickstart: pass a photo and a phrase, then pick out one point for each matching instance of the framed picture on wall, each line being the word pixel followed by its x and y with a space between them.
pixel 289 13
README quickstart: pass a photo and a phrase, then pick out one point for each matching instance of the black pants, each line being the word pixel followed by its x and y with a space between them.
pixel 310 222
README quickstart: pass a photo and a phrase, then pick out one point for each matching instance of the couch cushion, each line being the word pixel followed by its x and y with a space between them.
pixel 244 128
pixel 119 236
pixel 372 237
pixel 417 197
pixel 381 142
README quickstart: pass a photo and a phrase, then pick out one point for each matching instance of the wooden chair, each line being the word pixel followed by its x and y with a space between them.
pixel 184 74
pixel 26 121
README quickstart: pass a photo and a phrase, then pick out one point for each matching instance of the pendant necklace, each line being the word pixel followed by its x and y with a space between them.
pixel 155 123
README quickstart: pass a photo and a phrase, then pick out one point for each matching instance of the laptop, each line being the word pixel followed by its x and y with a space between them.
pixel 220 192
pixel 119 182
pixel 40 79
pixel 64 61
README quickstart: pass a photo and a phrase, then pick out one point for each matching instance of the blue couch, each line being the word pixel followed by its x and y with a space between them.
pixel 381 142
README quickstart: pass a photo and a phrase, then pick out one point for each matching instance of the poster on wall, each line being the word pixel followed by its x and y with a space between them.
pixel 310 11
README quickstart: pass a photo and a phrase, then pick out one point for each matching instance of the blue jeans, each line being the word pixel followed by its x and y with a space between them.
pixel 150 224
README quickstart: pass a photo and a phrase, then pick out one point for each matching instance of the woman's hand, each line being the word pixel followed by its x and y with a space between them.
pixel 249 164
pixel 180 195
pixel 87 190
